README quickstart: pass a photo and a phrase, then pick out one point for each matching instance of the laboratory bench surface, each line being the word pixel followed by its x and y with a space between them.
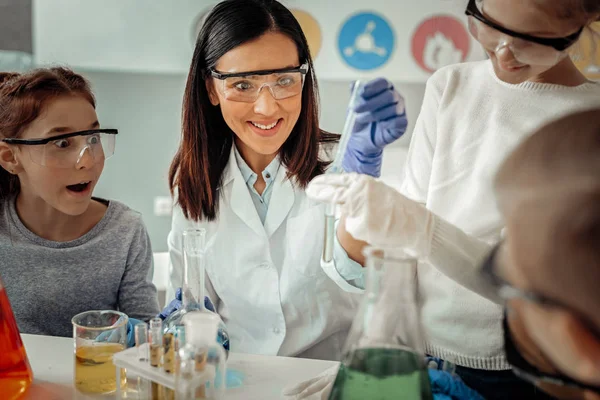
pixel 264 377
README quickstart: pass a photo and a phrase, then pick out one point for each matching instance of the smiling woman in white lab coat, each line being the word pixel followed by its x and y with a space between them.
pixel 250 145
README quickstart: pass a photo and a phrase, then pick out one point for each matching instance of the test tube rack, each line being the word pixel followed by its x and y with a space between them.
pixel 129 359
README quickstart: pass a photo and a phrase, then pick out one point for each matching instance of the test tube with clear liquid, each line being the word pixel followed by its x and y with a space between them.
pixel 141 341
pixel 336 168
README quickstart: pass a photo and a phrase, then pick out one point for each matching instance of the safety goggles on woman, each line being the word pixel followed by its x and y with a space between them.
pixel 527 49
pixel 246 86
pixel 66 151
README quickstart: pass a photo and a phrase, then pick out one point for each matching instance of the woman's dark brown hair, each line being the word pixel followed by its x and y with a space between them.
pixel 197 169
pixel 23 98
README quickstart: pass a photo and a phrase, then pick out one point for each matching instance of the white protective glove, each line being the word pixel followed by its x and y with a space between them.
pixel 317 388
pixel 376 213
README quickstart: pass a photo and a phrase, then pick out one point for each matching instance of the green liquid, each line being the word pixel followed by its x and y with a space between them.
pixel 382 374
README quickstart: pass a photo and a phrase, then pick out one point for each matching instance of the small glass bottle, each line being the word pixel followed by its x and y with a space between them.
pixel 384 352
pixel 202 370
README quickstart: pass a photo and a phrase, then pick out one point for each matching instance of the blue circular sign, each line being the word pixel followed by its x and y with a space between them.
pixel 366 41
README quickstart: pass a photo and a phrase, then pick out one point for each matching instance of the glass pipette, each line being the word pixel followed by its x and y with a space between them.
pixel 336 168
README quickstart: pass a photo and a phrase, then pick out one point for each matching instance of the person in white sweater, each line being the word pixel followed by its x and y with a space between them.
pixel 473 115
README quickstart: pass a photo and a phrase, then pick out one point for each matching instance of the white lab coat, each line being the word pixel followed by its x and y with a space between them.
pixel 266 281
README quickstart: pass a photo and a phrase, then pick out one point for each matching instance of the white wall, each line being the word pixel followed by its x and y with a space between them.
pixel 158 37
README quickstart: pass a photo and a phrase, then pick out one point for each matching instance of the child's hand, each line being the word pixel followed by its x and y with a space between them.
pixel 177 304
pixel 114 336
pixel 173 306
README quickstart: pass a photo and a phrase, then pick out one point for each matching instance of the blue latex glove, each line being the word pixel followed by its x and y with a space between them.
pixel 445 386
pixel 114 336
pixel 131 331
pixel 380 120
pixel 177 303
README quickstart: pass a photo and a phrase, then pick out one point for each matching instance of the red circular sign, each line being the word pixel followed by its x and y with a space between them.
pixel 440 41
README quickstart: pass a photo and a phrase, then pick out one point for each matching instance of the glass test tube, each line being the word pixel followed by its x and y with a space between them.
pixel 329 232
pixel 201 358
pixel 155 341
pixel 169 362
pixel 157 391
pixel 169 353
pixel 336 167
pixel 141 341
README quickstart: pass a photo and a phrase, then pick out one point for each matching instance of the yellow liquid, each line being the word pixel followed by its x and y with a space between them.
pixel 94 369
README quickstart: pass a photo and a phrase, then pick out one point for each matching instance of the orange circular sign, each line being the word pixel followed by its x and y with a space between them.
pixel 311 30
pixel 586 52
pixel 439 41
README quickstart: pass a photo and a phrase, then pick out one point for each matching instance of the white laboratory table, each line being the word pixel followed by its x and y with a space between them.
pixel 51 360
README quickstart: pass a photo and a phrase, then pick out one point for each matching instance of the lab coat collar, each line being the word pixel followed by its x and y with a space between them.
pixel 282 198
pixel 241 201
pixel 269 174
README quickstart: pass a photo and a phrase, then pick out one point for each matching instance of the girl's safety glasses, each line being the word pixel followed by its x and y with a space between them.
pixel 67 150
pixel 527 49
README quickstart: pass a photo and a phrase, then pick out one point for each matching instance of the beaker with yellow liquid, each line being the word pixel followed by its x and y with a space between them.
pixel 98 336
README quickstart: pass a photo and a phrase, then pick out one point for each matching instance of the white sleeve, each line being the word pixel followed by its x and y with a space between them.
pixel 459 256
pixel 418 168
pixel 175 243
pixel 419 160
pixel 454 253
